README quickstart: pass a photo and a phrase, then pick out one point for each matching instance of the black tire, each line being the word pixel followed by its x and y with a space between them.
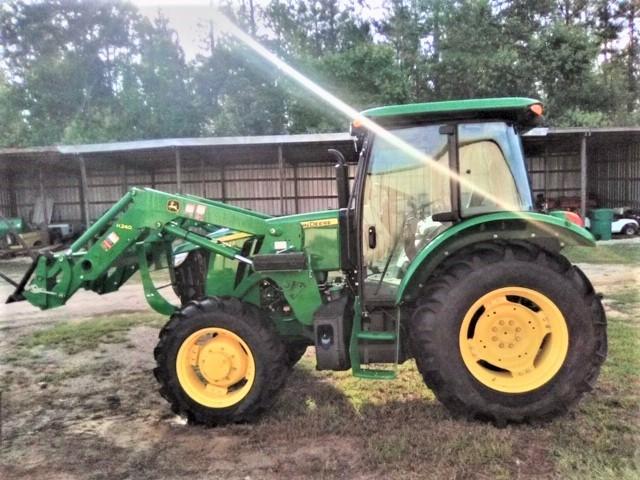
pixel 629 229
pixel 245 321
pixel 190 285
pixel 435 327
pixel 295 351
pixel 190 276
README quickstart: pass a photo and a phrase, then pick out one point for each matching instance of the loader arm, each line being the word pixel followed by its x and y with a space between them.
pixel 138 232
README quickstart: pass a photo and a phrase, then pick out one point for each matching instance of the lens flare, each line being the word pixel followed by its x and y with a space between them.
pixel 225 25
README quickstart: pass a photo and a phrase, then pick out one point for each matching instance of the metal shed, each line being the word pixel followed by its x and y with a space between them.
pixel 573 167
pixel 275 174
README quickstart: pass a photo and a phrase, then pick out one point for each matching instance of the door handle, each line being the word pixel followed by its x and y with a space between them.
pixel 372 237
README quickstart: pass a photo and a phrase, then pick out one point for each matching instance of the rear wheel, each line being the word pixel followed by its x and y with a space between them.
pixel 509 333
pixel 218 361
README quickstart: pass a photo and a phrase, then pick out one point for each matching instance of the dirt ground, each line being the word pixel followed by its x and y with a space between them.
pixel 93 412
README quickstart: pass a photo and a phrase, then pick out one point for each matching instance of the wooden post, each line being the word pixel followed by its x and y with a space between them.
pixel 178 170
pixel 84 192
pixel 583 175
pixel 123 178
pixel 283 202
pixel 295 188
pixel 545 175
pixel 223 187
pixel 203 186
pixel 13 198
pixel 43 195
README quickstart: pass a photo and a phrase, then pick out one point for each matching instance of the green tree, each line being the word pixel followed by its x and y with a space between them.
pixel 63 60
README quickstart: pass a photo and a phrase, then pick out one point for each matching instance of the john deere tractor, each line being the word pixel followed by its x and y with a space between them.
pixel 436 256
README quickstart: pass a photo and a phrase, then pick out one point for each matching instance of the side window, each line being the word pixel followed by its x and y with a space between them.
pixel 490 185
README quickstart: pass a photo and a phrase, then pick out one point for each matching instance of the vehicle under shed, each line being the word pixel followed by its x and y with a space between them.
pixel 575 168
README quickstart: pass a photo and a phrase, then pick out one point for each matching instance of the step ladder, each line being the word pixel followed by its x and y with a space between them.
pixel 358 335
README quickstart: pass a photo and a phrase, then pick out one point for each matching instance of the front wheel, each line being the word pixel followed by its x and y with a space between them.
pixel 218 361
pixel 509 333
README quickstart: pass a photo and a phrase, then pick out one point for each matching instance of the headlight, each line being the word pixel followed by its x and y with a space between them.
pixel 179 259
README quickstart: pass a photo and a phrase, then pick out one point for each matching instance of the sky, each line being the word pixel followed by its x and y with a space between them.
pixel 190 18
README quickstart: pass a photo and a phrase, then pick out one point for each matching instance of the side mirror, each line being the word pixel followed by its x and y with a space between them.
pixel 342 178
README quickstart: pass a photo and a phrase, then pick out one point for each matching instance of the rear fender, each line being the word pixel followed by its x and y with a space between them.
pixel 551 233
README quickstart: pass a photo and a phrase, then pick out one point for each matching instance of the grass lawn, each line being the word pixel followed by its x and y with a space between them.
pixel 626 253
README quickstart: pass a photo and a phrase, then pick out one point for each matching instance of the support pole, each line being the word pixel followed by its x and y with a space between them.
pixel 545 175
pixel 223 186
pixel 203 186
pixel 295 188
pixel 123 177
pixel 283 203
pixel 84 192
pixel 583 175
pixel 13 198
pixel 43 195
pixel 178 170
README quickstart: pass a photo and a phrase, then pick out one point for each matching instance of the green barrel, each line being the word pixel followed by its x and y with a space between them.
pixel 601 220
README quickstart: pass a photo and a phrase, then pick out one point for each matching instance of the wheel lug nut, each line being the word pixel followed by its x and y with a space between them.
pixel 501 322
pixel 517 329
pixel 494 329
pixel 511 345
pixel 494 339
pixel 510 322
pixel 501 345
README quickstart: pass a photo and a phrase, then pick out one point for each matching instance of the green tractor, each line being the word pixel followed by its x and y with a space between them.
pixel 436 257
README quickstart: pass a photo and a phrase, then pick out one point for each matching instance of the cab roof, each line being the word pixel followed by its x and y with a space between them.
pixel 510 108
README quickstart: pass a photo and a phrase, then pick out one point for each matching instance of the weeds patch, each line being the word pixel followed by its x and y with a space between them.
pixel 74 337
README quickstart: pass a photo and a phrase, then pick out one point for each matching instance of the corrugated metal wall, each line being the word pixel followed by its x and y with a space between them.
pixel 61 187
pixel 614 174
pixel 300 188
pixel 5 196
pixel 555 175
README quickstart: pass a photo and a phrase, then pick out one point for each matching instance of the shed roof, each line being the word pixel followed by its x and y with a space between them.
pixel 257 149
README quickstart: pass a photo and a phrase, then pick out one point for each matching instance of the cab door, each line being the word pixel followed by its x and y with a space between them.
pixel 404 187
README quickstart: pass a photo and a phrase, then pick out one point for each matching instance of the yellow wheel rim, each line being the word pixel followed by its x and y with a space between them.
pixel 514 339
pixel 215 367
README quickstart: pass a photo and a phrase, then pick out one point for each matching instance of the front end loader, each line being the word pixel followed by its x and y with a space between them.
pixel 435 254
